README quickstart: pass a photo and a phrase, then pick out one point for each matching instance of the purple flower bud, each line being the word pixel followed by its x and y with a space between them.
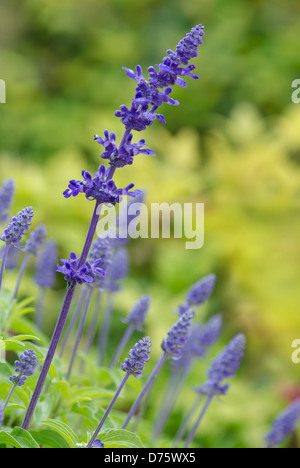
pixel 201 291
pixel 97 444
pixel 117 270
pixel 137 357
pixel 6 196
pixel 17 227
pixel 76 274
pixel 153 92
pixel 124 154
pixel 36 239
pixel 46 266
pixel 99 188
pixel 138 314
pixel 224 367
pixel 178 335
pixel 100 252
pixel 201 338
pixel 25 367
pixel 284 425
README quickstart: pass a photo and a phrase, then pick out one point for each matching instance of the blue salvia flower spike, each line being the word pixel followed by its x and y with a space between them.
pixel 101 189
pixel 283 426
pixel 13 234
pixel 24 367
pixel 222 368
pixel 18 227
pixel 201 338
pixel 135 321
pixel 172 345
pixel 133 365
pixel 201 291
pixel 7 192
pixel 178 335
pixel 31 247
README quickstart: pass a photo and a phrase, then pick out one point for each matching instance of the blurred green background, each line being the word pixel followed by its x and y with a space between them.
pixel 233 144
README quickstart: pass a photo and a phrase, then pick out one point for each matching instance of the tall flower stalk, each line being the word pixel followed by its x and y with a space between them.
pixel 34 242
pixel 171 346
pixel 150 95
pixel 201 338
pixel 13 234
pixel 24 367
pixel 133 365
pixel 7 192
pixel 222 368
pixel 135 321
pixel 283 426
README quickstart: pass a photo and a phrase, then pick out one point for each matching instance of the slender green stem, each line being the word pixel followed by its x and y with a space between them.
pixel 113 401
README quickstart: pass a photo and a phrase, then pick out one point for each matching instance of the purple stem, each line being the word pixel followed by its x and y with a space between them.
pixel 3 262
pixel 180 433
pixel 145 389
pixel 113 401
pixel 73 321
pixel 105 327
pixel 121 346
pixel 174 387
pixel 93 325
pixel 90 235
pixel 21 274
pixel 60 324
pixel 49 357
pixel 191 435
pixel 79 332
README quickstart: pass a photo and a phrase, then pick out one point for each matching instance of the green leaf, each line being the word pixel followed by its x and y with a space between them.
pixel 9 441
pixel 6 305
pixel 23 338
pixel 50 439
pixel 15 343
pixel 120 438
pixel 18 438
pixel 89 393
pixel 24 438
pixel 63 429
